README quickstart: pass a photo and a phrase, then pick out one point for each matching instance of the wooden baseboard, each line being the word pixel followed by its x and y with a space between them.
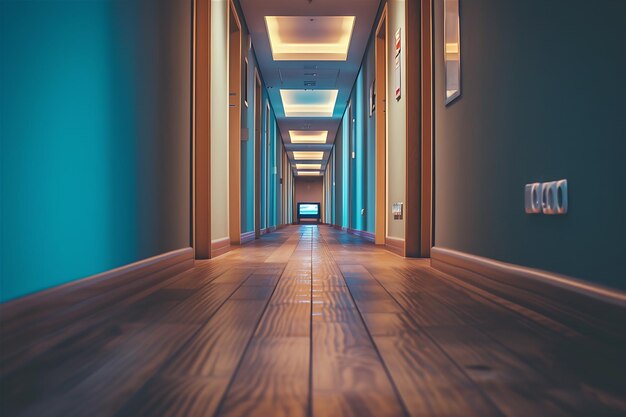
pixel 336 226
pixel 145 266
pixel 33 320
pixel 394 245
pixel 584 306
pixel 369 236
pixel 247 237
pixel 220 246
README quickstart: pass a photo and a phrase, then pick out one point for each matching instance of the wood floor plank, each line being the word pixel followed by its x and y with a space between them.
pixel 497 358
pixel 429 382
pixel 463 324
pixel 273 379
pixel 308 321
pixel 217 348
pixel 348 376
pixel 213 354
pixel 177 397
pixel 115 376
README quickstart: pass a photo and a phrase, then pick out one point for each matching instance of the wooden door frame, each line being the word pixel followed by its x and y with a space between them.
pixel 257 154
pixel 380 40
pixel 201 130
pixel 426 79
pixel 234 125
pixel 268 174
pixel 349 110
pixel 418 199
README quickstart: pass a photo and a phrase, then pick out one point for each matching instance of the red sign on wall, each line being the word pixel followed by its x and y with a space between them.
pixel 398 42
pixel 398 65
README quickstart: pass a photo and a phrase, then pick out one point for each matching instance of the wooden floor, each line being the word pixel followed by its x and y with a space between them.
pixel 309 321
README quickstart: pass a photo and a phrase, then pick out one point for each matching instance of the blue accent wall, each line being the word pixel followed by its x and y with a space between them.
pixel 94 137
pixel 355 178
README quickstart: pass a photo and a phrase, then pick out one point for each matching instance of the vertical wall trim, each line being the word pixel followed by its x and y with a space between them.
pixel 380 52
pixel 426 133
pixel 234 125
pixel 257 156
pixel 201 150
pixel 412 221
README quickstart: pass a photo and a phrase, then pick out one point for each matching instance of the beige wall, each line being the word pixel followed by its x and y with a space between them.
pixel 309 190
pixel 219 119
pixel 396 122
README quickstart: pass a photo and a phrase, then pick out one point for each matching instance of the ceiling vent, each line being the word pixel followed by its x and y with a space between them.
pixel 311 83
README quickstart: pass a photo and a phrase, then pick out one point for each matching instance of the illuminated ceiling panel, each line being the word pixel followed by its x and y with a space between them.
pixel 309 103
pixel 308 136
pixel 308 166
pixel 308 155
pixel 309 173
pixel 310 38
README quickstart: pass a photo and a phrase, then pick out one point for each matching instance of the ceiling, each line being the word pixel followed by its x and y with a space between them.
pixel 308 52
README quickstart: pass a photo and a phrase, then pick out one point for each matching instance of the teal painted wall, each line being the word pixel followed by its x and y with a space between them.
pixel 247 145
pixel 542 99
pixel 345 176
pixel 265 141
pixel 273 173
pixel 94 137
pixel 269 177
pixel 268 186
pixel 355 178
pixel 339 174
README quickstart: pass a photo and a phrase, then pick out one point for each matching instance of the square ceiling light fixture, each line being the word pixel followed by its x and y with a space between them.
pixel 309 103
pixel 308 166
pixel 308 136
pixel 309 173
pixel 308 155
pixel 310 38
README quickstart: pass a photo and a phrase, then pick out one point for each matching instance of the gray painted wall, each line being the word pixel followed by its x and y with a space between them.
pixel 542 99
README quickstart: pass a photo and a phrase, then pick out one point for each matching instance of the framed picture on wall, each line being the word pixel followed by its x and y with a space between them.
pixel 452 49
pixel 372 98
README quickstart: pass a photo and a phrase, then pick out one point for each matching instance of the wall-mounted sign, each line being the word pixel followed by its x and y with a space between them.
pixel 398 42
pixel 398 65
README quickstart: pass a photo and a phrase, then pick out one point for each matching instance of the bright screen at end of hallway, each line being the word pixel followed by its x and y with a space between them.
pixel 305 209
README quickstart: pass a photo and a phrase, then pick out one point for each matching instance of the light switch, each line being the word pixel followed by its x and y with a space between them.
pixel 396 210
pixel 532 198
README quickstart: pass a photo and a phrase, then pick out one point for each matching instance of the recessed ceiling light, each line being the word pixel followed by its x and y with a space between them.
pixel 308 136
pixel 310 38
pixel 309 103
pixel 308 155
pixel 308 166
pixel 309 173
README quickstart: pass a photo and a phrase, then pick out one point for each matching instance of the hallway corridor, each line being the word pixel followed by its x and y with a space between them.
pixel 307 321
pixel 312 208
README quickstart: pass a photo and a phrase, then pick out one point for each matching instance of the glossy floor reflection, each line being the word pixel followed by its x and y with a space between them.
pixel 307 321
